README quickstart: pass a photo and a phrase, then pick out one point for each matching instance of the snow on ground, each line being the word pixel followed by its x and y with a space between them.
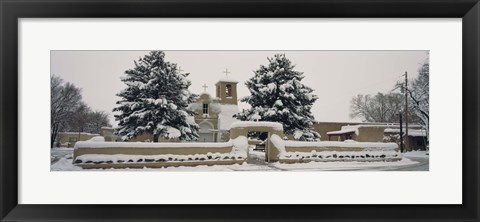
pixel 57 153
pixel 66 165
pixel 342 165
pixel 63 162
pixel 417 154
pixel 255 153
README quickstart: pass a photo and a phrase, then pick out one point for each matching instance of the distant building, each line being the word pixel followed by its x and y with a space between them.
pixel 68 139
pixel 372 132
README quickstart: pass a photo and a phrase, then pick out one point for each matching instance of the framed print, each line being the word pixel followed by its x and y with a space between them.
pixel 266 110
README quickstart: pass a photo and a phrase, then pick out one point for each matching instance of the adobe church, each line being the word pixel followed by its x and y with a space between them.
pixel 214 114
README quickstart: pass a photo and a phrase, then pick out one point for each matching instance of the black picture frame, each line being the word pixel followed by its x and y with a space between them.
pixel 12 10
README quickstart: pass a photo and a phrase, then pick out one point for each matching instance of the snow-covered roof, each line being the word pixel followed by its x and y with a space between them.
pixel 411 132
pixel 343 131
pixel 81 133
pixel 225 116
pixel 227 79
pixel 354 128
pixel 275 125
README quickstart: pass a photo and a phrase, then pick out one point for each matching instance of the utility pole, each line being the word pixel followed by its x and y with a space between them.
pixel 407 147
pixel 401 133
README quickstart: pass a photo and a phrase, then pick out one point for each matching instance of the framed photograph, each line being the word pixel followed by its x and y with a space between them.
pixel 266 110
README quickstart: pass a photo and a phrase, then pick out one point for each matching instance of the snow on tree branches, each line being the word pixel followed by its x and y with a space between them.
pixel 156 101
pixel 277 95
pixel 419 93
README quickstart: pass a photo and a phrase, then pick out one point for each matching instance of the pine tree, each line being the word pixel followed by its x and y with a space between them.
pixel 277 95
pixel 155 101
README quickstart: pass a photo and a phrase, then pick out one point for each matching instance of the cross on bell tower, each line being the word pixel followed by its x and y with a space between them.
pixel 227 89
pixel 205 87
pixel 226 72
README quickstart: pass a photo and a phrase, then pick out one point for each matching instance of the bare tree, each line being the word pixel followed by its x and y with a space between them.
pixel 64 99
pixel 419 93
pixel 379 108
pixel 97 120
pixel 79 119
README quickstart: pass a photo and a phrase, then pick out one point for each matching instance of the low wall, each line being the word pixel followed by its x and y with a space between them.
pixel 151 150
pixel 295 151
pixel 139 155
pixel 157 164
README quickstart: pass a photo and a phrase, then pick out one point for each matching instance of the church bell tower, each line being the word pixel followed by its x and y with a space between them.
pixel 227 89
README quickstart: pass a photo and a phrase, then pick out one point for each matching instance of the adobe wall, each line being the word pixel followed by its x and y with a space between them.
pixel 151 151
pixel 323 127
pixel 370 134
pixel 271 153
pixel 157 164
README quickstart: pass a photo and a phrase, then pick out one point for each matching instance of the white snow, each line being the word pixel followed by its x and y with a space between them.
pixel 227 79
pixel 370 145
pixel 316 166
pixel 343 131
pixel 243 124
pixel 239 151
pixel 66 165
pixel 173 132
pixel 81 133
pixel 97 139
pixel 297 134
pixel 411 132
pixel 86 144
pixel 271 87
pixel 256 117
pixel 279 143
pixel 418 154
pixel 190 119
pixel 129 159
pixel 225 117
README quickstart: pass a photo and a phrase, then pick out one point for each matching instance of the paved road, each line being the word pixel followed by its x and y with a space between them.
pixel 422 165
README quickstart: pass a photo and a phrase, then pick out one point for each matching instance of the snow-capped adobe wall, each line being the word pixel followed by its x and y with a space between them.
pixel 327 151
pixel 99 154
pixel 242 128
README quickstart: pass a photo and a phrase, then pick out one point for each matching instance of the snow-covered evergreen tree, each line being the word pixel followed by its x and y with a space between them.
pixel 277 95
pixel 155 101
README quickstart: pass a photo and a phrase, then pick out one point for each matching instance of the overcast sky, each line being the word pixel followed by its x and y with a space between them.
pixel 336 76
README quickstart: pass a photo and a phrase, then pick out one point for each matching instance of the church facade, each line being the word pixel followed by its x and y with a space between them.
pixel 214 114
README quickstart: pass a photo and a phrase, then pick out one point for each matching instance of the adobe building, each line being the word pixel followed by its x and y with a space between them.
pixel 371 132
pixel 214 115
